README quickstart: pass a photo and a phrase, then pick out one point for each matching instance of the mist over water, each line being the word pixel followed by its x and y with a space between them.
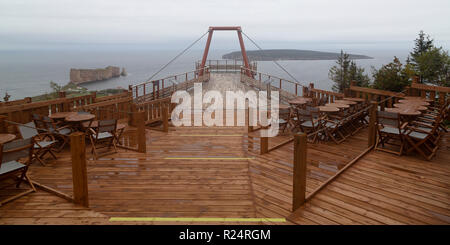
pixel 28 73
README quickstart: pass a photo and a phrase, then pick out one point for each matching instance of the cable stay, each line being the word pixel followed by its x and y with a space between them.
pixel 176 57
pixel 274 61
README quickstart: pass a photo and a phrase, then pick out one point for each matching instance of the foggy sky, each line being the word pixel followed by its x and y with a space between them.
pixel 287 23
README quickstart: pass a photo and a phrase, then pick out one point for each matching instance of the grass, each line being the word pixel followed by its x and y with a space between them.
pixel 72 90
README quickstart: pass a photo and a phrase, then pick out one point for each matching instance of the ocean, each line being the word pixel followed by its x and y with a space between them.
pixel 28 73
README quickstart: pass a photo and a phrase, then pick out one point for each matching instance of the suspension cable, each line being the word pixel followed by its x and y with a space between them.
pixel 274 61
pixel 176 57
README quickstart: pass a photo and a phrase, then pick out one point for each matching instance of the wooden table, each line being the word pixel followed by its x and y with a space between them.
pixel 338 105
pixel 5 138
pixel 404 111
pixel 355 99
pixel 283 106
pixel 80 117
pixel 328 109
pixel 300 101
pixel 415 102
pixel 77 119
pixel 62 115
pixel 412 106
pixel 347 102
pixel 417 98
pixel 94 124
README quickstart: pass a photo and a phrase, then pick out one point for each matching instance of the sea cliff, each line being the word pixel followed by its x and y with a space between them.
pixel 78 76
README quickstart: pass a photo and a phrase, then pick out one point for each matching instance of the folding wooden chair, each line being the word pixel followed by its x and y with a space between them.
pixel 429 117
pixel 40 125
pixel 284 118
pixel 60 133
pixel 11 167
pixel 333 129
pixel 41 146
pixel 309 123
pixel 104 133
pixel 422 141
pixel 390 130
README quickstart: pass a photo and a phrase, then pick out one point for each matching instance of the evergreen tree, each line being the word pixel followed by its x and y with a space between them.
pixel 392 77
pixel 430 63
pixel 422 44
pixel 346 71
pixel 356 73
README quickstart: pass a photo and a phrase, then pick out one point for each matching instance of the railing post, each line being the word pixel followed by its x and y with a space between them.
pixel 93 97
pixel 165 118
pixel 264 145
pixel 140 124
pixel 305 91
pixel 372 124
pixel 249 129
pixel 3 127
pixel 299 175
pixel 79 172
pixel 133 109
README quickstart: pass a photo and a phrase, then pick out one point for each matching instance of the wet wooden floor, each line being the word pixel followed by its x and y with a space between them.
pixel 208 172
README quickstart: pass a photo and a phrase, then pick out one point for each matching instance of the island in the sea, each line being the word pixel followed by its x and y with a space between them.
pixel 289 54
pixel 78 76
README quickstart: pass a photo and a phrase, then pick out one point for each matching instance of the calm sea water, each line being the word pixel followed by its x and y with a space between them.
pixel 28 73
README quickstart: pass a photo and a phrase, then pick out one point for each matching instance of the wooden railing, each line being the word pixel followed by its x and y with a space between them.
pixel 122 95
pixel 153 110
pixel 319 94
pixel 157 89
pixel 226 65
pixel 23 113
pixel 119 109
pixel 435 93
pixel 276 83
pixel 383 97
pixel 25 100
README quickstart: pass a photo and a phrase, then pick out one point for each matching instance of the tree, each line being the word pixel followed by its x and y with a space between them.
pixel 392 77
pixel 345 71
pixel 430 63
pixel 356 74
pixel 433 66
pixel 56 88
pixel 422 45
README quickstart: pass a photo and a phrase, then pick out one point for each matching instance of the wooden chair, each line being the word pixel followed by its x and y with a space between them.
pixel 10 167
pixel 333 129
pixel 422 141
pixel 389 130
pixel 41 146
pixel 40 125
pixel 358 115
pixel 284 118
pixel 60 133
pixel 429 117
pixel 104 133
pixel 308 123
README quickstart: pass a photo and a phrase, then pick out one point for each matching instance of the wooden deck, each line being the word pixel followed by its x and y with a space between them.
pixel 209 172
pixel 383 188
